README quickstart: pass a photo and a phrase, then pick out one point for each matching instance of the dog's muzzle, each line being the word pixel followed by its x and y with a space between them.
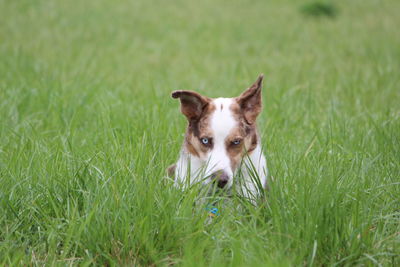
pixel 220 178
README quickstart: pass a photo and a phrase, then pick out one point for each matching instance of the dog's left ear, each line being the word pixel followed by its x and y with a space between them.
pixel 250 101
pixel 192 103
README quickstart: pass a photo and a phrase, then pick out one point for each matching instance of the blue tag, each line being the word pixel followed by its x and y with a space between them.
pixel 213 210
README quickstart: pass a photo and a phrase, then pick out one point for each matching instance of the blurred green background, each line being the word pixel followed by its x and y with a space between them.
pixel 87 128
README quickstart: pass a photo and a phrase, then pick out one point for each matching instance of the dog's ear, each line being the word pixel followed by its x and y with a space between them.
pixel 250 101
pixel 192 103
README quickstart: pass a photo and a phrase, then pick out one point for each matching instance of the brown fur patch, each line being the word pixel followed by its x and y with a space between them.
pixel 235 152
pixel 198 129
pixel 254 142
pixel 191 149
pixel 246 132
pixel 171 171
pixel 248 142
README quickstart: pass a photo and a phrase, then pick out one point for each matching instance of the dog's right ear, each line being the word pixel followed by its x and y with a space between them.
pixel 250 101
pixel 192 103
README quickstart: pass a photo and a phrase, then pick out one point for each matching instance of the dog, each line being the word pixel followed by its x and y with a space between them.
pixel 222 142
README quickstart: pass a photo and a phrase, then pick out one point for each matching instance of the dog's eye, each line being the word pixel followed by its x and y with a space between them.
pixel 205 141
pixel 236 142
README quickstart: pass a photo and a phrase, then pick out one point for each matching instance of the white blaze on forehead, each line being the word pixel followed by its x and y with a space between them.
pixel 222 123
pixel 222 120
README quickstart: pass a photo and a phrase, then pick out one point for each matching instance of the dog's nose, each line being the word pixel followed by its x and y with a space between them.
pixel 221 178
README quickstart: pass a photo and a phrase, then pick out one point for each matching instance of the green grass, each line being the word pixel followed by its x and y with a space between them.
pixel 87 128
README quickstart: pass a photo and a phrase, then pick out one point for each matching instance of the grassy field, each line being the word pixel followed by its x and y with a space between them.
pixel 87 128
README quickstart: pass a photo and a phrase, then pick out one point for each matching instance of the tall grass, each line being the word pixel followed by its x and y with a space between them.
pixel 87 129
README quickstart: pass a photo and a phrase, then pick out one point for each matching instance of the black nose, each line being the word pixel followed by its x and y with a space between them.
pixel 221 178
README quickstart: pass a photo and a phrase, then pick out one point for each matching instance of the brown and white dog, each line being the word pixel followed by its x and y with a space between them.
pixel 222 138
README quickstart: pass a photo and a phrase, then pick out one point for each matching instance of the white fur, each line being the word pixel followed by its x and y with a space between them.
pixel 222 123
pixel 191 169
pixel 257 160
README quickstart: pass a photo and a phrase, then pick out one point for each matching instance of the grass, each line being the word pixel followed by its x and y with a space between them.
pixel 319 9
pixel 87 128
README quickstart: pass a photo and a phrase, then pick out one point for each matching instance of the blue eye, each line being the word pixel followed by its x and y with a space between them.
pixel 204 141
pixel 236 142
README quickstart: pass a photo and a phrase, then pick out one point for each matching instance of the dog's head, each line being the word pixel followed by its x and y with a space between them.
pixel 221 130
